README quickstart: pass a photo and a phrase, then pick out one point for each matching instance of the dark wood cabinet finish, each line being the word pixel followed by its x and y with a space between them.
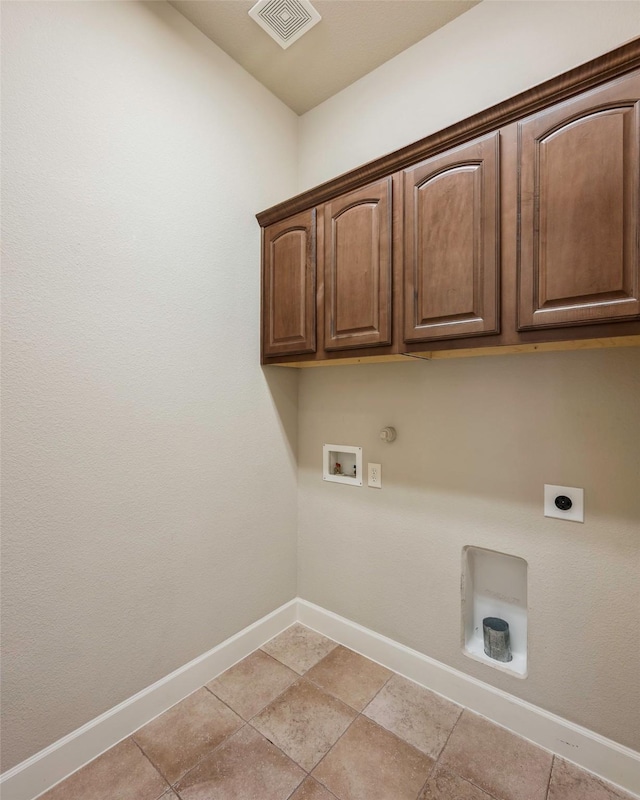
pixel 579 210
pixel 451 248
pixel 622 60
pixel 358 268
pixel 289 286
pixel 514 230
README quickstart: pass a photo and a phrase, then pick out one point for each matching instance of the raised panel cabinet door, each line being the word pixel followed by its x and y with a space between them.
pixel 451 243
pixel 357 268
pixel 579 213
pixel 289 286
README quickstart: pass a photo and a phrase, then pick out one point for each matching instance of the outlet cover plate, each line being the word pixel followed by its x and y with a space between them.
pixel 374 475
pixel 575 513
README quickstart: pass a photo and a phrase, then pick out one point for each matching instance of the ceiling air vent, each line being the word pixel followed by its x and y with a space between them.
pixel 285 20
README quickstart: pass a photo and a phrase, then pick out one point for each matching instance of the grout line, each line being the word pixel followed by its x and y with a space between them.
pixel 464 778
pixel 289 796
pixel 553 763
pixel 168 786
pixel 264 736
pixel 344 733
pixel 260 710
pixel 361 713
pixel 299 677
pixel 393 674
pixel 301 674
pixel 308 776
pixel 442 749
pixel 308 773
pixel 275 658
pixel 224 703
pixel 334 696
pixel 208 754
pixel 426 781
pixel 453 727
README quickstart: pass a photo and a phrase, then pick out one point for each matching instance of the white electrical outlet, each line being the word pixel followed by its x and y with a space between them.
pixel 564 502
pixel 375 475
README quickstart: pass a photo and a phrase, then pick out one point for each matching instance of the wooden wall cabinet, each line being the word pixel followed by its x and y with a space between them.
pixel 357 262
pixel 451 243
pixel 516 229
pixel 579 210
pixel 289 286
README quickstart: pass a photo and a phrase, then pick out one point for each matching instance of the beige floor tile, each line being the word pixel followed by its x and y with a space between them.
pixel 299 648
pixel 253 683
pixel 245 767
pixel 569 782
pixel 312 790
pixel 186 733
pixel 304 722
pixel 504 765
pixel 122 772
pixel 369 763
pixel 349 677
pixel 443 785
pixel 415 714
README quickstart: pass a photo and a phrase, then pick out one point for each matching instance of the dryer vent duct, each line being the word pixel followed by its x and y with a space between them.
pixel 285 20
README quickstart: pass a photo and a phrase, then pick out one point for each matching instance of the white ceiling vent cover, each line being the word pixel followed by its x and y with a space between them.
pixel 285 20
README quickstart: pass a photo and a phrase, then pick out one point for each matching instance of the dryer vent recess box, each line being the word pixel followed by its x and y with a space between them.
pixel 494 585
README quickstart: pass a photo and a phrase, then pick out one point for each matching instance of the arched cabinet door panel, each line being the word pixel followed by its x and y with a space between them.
pixel 451 243
pixel 289 286
pixel 579 211
pixel 357 268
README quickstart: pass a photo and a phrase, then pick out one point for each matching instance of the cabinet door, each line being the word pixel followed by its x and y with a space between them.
pixel 578 207
pixel 289 270
pixel 357 268
pixel 451 243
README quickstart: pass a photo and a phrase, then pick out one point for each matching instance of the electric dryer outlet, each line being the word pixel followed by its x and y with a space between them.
pixel 564 502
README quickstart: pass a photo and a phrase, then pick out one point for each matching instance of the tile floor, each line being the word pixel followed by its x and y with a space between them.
pixel 306 719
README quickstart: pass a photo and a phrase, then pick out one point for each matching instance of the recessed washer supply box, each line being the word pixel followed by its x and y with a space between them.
pixel 342 463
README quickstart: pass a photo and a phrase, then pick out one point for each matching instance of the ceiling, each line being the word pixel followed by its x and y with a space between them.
pixel 352 38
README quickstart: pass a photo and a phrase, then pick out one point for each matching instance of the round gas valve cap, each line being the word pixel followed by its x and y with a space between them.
pixel 388 434
pixel 563 502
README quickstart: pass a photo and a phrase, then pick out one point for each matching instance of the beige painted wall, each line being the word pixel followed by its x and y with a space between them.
pixel 478 438
pixel 492 52
pixel 149 465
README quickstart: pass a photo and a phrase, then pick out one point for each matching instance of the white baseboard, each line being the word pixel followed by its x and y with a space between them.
pixel 51 765
pixel 611 761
